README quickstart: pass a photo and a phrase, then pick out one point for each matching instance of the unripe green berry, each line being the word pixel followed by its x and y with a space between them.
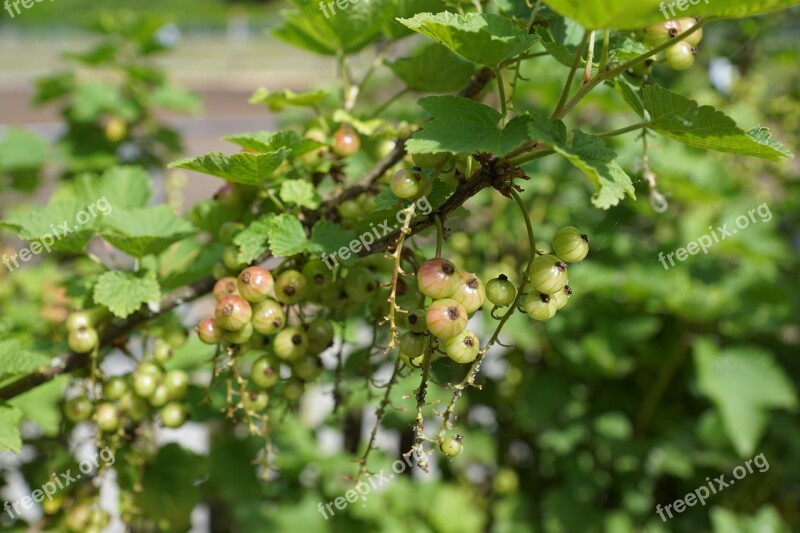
pixel 268 317
pixel 83 340
pixel 290 286
pixel 539 306
pixel 255 284
pixel 500 291
pixel 452 446
pixel 570 245
pixel 233 312
pixel 548 274
pixel 463 348
pixel 290 343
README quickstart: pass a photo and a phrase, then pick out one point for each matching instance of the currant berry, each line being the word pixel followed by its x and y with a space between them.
pixel 687 24
pixel 360 284
pixel 548 274
pixel 430 160
pixel 115 388
pixel 293 390
pixel 83 340
pixel 230 197
pixel 680 56
pixel 661 33
pixel 452 446
pixel 78 409
pixel 174 335
pixel 228 231
pixel 255 401
pixel 290 287
pixel 561 297
pixel 255 284
pixel 412 344
pixel 262 373
pixel 268 317
pixel 500 291
pixel 463 348
pixel 437 278
pixel 78 519
pixel 320 335
pixel 107 417
pixel 230 258
pixel 291 343
pixel 240 336
pixel 349 210
pixel 416 321
pixel 346 142
pixel 469 292
pixel 177 384
pixel 209 331
pixel 159 397
pixel 540 306
pixel 135 407
pixel 162 352
pixel 446 318
pixel 233 312
pixel 570 245
pixel 307 368
pixel 227 286
pixel 78 320
pixel 173 415
pixel 317 273
pixel 145 383
pixel 405 185
pixel 315 156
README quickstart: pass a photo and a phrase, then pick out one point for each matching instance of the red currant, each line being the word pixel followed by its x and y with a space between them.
pixel 680 56
pixel 346 142
pixel 416 321
pixel 561 297
pixel 241 335
pixel 177 384
pixel 446 318
pixel 255 401
pixel 548 274
pixel 115 388
pixel 539 306
pixel 230 258
pixel 570 245
pixel 291 343
pixel 413 344
pixel 262 373
pixel 255 284
pixel 452 446
pixel 469 292
pixel 360 284
pixel 317 273
pixel 226 286
pixel 268 317
pixel 687 24
pixel 463 348
pixel 78 409
pixel 107 417
pixel 290 287
pixel 500 291
pixel 173 415
pixel 83 340
pixel 662 32
pixel 209 331
pixel 430 160
pixel 437 278
pixel 320 335
pixel 233 312
pixel 405 184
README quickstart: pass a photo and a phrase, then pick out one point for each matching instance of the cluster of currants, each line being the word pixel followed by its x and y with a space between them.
pixel 548 277
pixel 83 337
pixel 679 56
pixel 132 396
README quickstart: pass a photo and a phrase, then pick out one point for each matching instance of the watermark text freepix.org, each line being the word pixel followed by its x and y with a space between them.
pixel 367 239
pixel 27 4
pixel 683 5
pixel 719 234
pixel 59 482
pixel 45 242
pixel 718 484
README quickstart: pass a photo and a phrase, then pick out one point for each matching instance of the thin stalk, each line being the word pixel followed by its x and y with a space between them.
pixel 622 131
pixel 575 62
pixel 587 73
pixel 502 91
pixel 604 56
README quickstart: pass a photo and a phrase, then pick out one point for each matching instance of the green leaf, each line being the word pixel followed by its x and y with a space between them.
pixel 486 39
pixel 124 293
pixel 433 68
pixel 176 99
pixel 119 187
pixel 145 231
pixel 245 168
pixel 92 99
pixel 678 118
pixel 461 125
pixel 10 438
pixel 264 141
pixel 42 405
pixel 743 383
pixel 56 226
pixel 280 100
pixel 21 150
pixel 634 14
pixel 329 237
pixel 300 192
pixel 14 359
pixel 286 236
pixel 252 241
pixel 353 26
